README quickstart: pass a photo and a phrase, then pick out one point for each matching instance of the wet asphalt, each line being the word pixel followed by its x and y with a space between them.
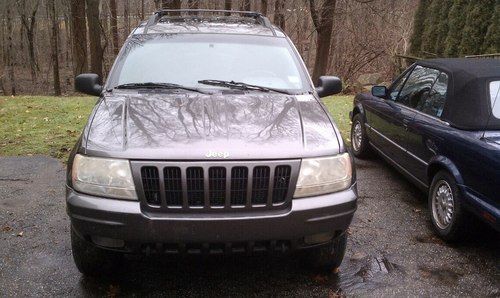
pixel 391 249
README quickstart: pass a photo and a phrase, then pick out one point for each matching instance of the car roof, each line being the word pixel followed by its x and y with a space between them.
pixel 474 67
pixel 208 21
pixel 468 102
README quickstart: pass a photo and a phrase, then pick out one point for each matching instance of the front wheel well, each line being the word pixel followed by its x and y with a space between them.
pixel 355 111
pixel 433 170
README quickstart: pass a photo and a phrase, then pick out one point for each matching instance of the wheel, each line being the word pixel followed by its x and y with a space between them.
pixel 359 141
pixel 91 260
pixel 449 218
pixel 327 258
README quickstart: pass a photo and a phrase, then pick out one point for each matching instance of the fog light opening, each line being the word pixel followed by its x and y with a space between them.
pixel 108 242
pixel 318 238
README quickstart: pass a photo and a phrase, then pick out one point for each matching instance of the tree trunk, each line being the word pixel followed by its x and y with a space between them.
pixel 263 7
pixel 51 7
pixel 126 16
pixel 142 10
pixel 279 13
pixel 171 4
pixel 228 4
pixel 96 51
pixel 246 5
pixel 114 26
pixel 79 36
pixel 323 23
pixel 10 59
pixel 193 4
pixel 29 22
pixel 2 57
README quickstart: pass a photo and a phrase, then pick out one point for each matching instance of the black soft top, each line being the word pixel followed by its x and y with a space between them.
pixel 468 104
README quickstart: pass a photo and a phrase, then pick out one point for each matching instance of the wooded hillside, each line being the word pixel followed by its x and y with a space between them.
pixel 45 43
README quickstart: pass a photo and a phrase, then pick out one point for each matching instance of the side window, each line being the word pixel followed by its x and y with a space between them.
pixel 495 98
pixel 418 86
pixel 434 103
pixel 396 86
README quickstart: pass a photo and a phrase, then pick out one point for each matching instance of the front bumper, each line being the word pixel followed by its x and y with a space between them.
pixel 93 217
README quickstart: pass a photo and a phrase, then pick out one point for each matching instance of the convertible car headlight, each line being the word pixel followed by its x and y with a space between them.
pixel 105 177
pixel 324 175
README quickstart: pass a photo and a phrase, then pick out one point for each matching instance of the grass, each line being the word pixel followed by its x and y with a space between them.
pixel 42 125
pixel 339 107
pixel 31 125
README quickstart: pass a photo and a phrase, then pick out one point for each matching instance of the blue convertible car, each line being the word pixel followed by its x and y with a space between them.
pixel 439 125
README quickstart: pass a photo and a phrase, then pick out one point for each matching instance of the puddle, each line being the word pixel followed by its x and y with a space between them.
pixel 360 271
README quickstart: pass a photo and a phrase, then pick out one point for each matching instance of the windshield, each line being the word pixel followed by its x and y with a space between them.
pixel 189 58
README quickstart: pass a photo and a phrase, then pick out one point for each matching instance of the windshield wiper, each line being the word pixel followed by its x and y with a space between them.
pixel 152 85
pixel 240 86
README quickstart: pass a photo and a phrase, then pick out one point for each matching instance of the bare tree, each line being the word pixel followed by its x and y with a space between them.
pixel 51 8
pixel 194 4
pixel 142 10
pixel 126 16
pixel 279 13
pixel 228 4
pixel 246 5
pixel 323 24
pixel 263 7
pixel 28 21
pixel 96 49
pixel 79 36
pixel 10 51
pixel 114 26
pixel 171 4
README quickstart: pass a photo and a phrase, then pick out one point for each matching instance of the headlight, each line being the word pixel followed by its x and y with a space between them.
pixel 110 178
pixel 324 175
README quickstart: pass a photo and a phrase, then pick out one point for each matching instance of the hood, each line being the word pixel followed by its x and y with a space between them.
pixel 193 126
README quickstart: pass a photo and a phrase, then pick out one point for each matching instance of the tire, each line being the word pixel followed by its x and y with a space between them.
pixel 91 260
pixel 327 258
pixel 451 223
pixel 359 140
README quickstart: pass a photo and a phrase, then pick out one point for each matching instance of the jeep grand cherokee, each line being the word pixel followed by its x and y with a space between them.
pixel 209 138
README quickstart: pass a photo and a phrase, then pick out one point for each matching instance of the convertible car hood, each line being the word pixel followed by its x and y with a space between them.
pixel 193 126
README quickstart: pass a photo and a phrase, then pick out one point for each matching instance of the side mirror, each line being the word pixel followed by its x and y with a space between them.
pixel 379 91
pixel 88 83
pixel 328 85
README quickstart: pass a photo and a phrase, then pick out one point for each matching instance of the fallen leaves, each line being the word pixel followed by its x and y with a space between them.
pixel 6 229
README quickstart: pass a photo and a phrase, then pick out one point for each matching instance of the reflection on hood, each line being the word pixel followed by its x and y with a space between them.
pixel 169 125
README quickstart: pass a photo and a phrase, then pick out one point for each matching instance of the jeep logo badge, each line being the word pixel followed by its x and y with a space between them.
pixel 215 154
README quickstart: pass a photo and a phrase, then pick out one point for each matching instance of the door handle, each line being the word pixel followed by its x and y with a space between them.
pixel 405 123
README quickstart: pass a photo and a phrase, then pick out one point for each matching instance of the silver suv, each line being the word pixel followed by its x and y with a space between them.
pixel 209 138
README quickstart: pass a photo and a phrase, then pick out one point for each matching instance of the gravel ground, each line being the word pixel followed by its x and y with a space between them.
pixel 391 250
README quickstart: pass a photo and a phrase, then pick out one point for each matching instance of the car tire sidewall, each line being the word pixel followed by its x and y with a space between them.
pixel 454 230
pixel 362 150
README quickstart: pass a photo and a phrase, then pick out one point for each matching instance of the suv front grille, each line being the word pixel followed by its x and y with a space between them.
pixel 216 186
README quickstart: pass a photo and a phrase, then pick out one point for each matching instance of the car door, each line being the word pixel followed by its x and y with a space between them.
pixel 414 94
pixel 384 119
pixel 424 130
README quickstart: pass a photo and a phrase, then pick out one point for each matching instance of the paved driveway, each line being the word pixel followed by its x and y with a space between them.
pixel 391 250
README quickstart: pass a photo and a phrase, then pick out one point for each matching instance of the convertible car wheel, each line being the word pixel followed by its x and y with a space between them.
pixel 359 141
pixel 448 217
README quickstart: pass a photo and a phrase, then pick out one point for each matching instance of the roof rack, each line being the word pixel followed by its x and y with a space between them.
pixel 194 13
